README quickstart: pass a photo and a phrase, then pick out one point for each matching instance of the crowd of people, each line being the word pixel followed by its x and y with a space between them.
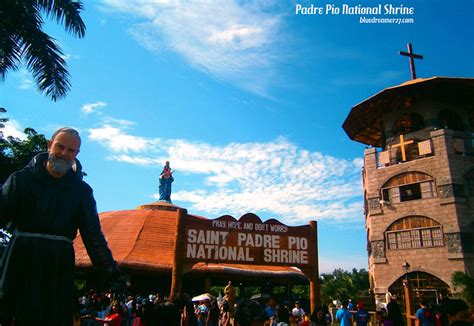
pixel 143 310
pixel 135 310
pixel 155 309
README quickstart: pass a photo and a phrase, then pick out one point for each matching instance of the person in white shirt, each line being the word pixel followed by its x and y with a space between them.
pixel 298 312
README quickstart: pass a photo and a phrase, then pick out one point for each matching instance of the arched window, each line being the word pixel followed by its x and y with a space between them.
pixel 409 122
pixel 414 232
pixel 408 186
pixel 449 119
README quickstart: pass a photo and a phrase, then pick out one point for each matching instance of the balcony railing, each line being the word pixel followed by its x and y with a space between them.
pixel 406 152
pixel 418 146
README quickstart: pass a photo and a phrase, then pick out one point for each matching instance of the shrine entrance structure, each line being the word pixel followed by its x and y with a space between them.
pixel 245 241
pixel 161 247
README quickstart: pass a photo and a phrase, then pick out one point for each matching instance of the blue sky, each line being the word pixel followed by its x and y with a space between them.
pixel 245 98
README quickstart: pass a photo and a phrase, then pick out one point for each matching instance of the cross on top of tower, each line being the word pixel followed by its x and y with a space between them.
pixel 411 56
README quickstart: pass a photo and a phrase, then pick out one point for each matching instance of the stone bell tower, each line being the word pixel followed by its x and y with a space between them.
pixel 418 180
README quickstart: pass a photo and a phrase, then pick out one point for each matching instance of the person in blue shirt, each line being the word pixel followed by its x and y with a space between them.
pixel 423 315
pixel 343 316
pixel 362 316
pixel 271 309
pixel 350 306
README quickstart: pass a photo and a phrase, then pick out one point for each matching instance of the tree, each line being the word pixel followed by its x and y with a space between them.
pixel 466 283
pixel 16 153
pixel 341 284
pixel 2 122
pixel 22 39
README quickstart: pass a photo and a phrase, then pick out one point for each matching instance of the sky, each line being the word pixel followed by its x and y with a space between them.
pixel 245 98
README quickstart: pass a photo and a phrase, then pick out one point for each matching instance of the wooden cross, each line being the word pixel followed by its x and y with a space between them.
pixel 417 278
pixel 402 146
pixel 412 56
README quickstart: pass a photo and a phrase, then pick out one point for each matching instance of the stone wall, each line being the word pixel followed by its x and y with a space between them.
pixel 449 208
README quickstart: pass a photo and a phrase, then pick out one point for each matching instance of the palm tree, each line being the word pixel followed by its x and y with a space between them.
pixel 2 123
pixel 22 39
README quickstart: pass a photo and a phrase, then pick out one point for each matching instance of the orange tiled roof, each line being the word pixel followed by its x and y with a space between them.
pixel 144 238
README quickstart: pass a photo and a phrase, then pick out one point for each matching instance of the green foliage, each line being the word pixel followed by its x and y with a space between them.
pixel 241 292
pixel 215 290
pixel 466 283
pixel 16 153
pixel 301 292
pixel 80 285
pixel 341 285
pixel 22 39
pixel 280 290
pixel 2 120
pixel 248 291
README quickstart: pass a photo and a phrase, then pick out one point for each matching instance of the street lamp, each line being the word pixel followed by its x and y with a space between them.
pixel 406 290
pixel 406 268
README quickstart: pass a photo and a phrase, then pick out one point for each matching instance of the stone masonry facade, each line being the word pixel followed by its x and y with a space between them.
pixel 449 207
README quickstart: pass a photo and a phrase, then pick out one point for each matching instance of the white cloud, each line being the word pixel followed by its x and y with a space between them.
pixel 133 160
pixel 118 141
pixel 120 122
pixel 25 82
pixel 68 57
pixel 232 41
pixel 276 178
pixel 92 107
pixel 104 119
pixel 14 129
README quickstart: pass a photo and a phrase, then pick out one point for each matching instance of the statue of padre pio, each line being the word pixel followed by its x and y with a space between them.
pixel 166 178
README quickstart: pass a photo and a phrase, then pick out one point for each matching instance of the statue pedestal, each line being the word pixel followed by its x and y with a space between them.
pixel 160 205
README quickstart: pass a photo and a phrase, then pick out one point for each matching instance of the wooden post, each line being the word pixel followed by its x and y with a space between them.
pixel 178 266
pixel 314 286
pixel 407 293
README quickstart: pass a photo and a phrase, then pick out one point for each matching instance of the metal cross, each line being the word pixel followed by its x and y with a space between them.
pixel 412 56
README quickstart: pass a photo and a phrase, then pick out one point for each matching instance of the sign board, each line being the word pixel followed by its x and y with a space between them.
pixel 247 241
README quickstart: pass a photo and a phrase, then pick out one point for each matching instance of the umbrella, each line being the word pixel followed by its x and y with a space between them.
pixel 259 296
pixel 202 297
